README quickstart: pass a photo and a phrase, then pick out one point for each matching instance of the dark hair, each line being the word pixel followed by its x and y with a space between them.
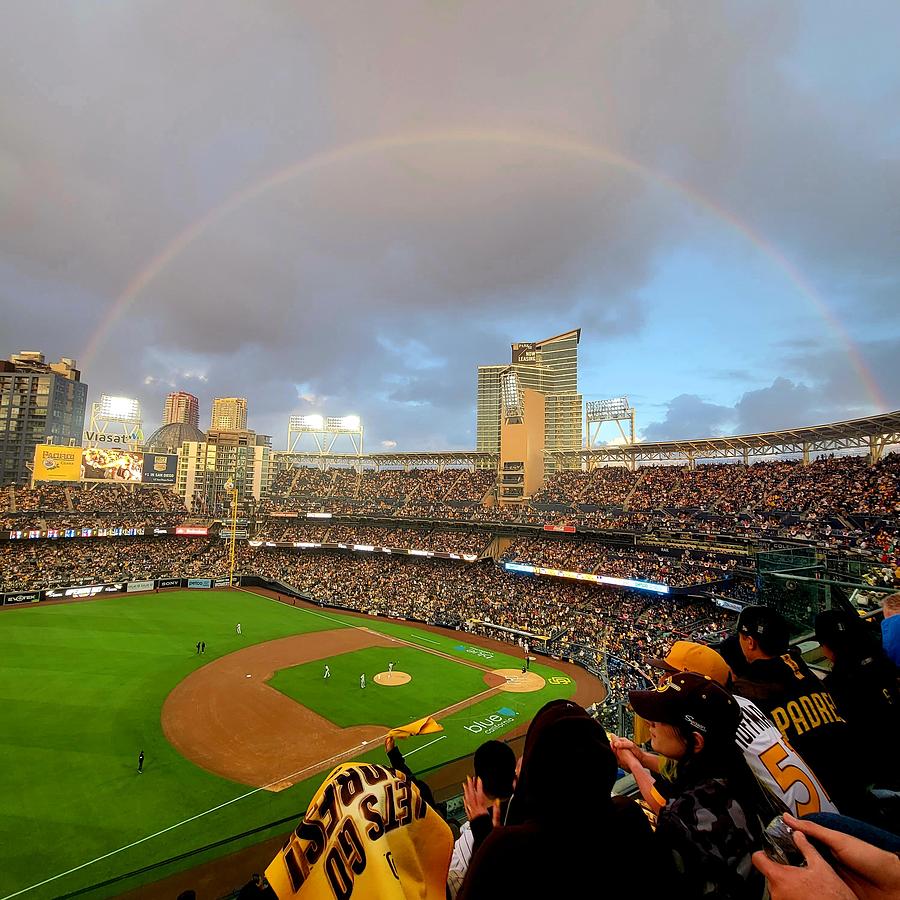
pixel 720 757
pixel 495 765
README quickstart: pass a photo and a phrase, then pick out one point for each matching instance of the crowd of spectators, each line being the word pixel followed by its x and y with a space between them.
pixel 76 506
pixel 580 555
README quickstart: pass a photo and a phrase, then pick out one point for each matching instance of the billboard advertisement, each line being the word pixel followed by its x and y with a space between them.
pixel 199 583
pixel 194 530
pixel 168 582
pixel 22 597
pixel 159 468
pixel 52 463
pixel 112 464
pixel 133 586
pixel 84 591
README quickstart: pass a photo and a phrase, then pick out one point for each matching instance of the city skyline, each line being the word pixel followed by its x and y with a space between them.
pixel 710 195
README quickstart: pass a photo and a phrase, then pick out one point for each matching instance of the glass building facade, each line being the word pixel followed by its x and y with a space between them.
pixel 550 367
pixel 39 403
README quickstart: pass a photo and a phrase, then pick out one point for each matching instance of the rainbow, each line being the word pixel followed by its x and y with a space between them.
pixel 563 145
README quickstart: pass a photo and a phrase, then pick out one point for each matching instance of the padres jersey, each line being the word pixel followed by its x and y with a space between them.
pixel 777 766
pixel 367 834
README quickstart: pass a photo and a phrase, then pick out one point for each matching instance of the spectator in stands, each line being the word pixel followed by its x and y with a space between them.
pixel 757 738
pixel 368 832
pixel 572 832
pixel 495 772
pixel 863 684
pixel 711 820
pixel 890 629
pixel 783 686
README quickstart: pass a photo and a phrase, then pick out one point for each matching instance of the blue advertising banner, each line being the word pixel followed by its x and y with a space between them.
pixel 199 583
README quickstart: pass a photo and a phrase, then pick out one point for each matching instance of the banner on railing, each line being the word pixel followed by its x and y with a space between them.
pixel 22 597
pixel 133 586
pixel 199 582
pixel 84 590
pixel 168 582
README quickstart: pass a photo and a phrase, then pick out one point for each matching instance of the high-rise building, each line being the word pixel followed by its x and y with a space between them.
pixel 206 467
pixel 40 403
pixel 229 414
pixel 549 367
pixel 182 407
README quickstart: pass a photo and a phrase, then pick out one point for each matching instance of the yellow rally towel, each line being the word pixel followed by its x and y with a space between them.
pixel 420 726
pixel 366 834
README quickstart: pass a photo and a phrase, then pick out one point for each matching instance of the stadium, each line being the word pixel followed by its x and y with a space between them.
pixel 449 450
pixel 133 626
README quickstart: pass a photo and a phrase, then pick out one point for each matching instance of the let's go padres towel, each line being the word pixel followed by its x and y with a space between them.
pixel 366 834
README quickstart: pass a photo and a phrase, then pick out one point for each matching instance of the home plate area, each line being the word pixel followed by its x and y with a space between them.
pixel 392 679
pixel 519 682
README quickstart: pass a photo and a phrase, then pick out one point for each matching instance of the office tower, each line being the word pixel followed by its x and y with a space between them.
pixel 229 414
pixel 40 403
pixel 182 407
pixel 549 367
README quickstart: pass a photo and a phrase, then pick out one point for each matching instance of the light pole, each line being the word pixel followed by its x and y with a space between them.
pixel 231 488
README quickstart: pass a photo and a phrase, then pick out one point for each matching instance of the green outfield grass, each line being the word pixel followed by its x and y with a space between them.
pixel 81 689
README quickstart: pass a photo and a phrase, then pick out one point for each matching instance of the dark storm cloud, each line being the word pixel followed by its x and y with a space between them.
pixel 123 124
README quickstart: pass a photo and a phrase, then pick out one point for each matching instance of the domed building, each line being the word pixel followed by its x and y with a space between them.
pixel 169 438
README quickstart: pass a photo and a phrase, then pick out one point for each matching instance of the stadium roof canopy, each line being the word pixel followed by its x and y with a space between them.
pixel 872 434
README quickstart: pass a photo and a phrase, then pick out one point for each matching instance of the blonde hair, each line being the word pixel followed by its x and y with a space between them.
pixel 891 606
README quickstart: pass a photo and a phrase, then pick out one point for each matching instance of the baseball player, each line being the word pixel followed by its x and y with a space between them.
pixel 327 673
pixel 238 627
pixel 141 763
pixel 390 668
pixel 362 680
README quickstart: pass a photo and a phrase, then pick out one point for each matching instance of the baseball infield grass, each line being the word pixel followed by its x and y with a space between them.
pixel 81 689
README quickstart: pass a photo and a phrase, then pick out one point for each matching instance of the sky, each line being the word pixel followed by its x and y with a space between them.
pixel 345 208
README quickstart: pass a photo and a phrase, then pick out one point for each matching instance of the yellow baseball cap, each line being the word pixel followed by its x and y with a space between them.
pixel 688 656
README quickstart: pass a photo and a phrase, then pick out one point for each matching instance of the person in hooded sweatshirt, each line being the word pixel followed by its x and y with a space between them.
pixel 565 832
pixel 863 684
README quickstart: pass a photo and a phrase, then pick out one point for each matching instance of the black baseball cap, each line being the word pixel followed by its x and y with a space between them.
pixel 691 700
pixel 767 626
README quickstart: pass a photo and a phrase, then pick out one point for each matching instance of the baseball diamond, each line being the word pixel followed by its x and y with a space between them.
pixel 233 737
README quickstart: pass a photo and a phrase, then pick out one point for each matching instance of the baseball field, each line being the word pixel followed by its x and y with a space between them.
pixel 233 737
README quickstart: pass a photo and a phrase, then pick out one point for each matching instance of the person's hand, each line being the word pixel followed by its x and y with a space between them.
pixel 815 879
pixel 477 803
pixel 627 752
pixel 389 744
pixel 872 874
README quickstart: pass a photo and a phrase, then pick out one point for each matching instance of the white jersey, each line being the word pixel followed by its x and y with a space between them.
pixel 777 766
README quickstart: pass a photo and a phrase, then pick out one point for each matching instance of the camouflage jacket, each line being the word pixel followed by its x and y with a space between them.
pixel 711 840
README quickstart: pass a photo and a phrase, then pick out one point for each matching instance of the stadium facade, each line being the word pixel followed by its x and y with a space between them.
pixel 40 403
pixel 549 367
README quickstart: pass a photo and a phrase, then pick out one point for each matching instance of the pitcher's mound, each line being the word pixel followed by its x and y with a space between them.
pixel 392 679
pixel 515 680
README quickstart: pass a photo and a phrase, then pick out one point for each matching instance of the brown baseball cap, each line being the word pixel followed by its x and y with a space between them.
pixel 692 700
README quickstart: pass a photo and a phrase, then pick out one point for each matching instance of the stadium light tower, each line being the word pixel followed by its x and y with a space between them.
pixel 616 409
pixel 511 397
pixel 324 433
pixel 115 420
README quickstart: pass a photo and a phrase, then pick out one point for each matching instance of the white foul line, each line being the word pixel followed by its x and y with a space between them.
pixel 443 737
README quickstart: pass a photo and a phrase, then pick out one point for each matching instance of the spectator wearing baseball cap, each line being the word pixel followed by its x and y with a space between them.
pixel 570 832
pixel 711 820
pixel 799 704
pixel 761 743
pixel 863 683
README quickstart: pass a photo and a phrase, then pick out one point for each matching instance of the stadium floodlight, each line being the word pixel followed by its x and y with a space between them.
pixel 511 396
pixel 351 423
pixel 314 421
pixel 119 409
pixel 616 410
pixel 613 410
pixel 325 432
